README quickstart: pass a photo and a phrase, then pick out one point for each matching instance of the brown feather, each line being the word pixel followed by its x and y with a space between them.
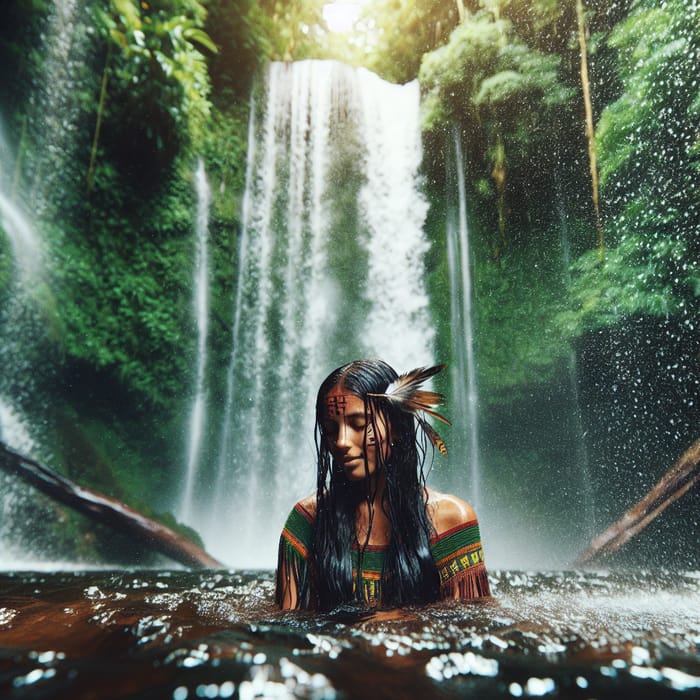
pixel 405 392
pixel 434 438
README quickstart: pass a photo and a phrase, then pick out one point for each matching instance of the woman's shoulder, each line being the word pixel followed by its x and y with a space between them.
pixel 448 511
pixel 299 527
pixel 307 506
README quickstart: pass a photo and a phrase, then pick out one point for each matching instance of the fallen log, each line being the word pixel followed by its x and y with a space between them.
pixel 677 481
pixel 106 510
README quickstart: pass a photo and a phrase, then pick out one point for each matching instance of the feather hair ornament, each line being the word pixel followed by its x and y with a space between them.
pixel 434 438
pixel 406 394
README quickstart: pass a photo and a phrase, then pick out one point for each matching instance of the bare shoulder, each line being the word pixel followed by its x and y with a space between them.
pixel 448 511
pixel 309 504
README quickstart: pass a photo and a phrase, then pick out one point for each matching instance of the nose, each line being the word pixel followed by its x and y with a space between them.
pixel 342 441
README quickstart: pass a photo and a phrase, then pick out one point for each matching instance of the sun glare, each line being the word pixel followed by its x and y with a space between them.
pixel 341 16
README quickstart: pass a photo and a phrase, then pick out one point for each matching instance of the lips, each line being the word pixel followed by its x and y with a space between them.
pixel 351 460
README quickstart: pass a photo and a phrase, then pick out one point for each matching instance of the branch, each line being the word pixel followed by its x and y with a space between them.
pixel 106 510
pixel 677 481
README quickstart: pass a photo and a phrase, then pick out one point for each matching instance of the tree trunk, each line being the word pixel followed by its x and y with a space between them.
pixel 499 176
pixel 106 510
pixel 677 481
pixel 590 130
pixel 98 123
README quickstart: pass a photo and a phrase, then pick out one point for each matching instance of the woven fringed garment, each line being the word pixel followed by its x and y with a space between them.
pixel 457 553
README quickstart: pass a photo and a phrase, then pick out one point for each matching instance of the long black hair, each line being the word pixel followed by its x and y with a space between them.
pixel 409 574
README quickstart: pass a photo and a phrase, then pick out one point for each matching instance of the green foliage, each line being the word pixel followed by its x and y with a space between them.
pixel 515 294
pixel 20 32
pixel 159 70
pixel 6 268
pixel 242 34
pixel 485 72
pixel 123 287
pixel 296 28
pixel 224 150
pixel 647 138
pixel 451 75
pixel 396 35
pixel 643 275
pixel 507 97
pixel 647 147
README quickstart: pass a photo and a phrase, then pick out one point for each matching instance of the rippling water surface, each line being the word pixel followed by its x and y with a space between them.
pixel 181 635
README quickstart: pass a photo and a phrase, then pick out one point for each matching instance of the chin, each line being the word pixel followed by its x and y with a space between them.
pixel 357 474
pixel 354 475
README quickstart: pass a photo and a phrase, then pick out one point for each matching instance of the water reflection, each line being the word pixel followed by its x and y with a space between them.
pixel 165 634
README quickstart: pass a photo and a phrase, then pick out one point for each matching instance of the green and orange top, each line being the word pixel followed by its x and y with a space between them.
pixel 457 553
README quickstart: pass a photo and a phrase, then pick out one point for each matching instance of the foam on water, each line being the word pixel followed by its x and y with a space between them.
pixel 186 635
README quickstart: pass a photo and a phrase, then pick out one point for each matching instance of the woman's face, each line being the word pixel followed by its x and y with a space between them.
pixel 354 442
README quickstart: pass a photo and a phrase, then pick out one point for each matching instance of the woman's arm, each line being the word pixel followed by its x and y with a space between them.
pixel 287 594
pixel 293 584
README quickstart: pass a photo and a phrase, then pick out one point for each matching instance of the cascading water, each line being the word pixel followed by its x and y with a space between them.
pixel 53 122
pixel 464 394
pixel 25 247
pixel 581 460
pixel 25 244
pixel 15 433
pixel 389 204
pixel 333 213
pixel 24 241
pixel 201 311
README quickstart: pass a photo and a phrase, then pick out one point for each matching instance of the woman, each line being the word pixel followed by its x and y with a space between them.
pixel 373 532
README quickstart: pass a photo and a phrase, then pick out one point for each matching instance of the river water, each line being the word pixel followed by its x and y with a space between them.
pixel 180 635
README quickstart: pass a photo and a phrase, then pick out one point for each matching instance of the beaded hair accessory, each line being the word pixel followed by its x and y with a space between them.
pixel 405 393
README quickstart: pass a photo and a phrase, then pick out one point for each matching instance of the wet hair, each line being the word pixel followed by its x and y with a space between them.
pixel 409 574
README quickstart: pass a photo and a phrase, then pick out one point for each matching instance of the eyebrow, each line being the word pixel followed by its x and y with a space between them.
pixel 356 414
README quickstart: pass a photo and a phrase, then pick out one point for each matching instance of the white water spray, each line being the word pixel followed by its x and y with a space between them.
pixel 55 119
pixel 465 395
pixel 391 208
pixel 330 269
pixel 13 429
pixel 24 241
pixel 26 246
pixel 201 312
pixel 15 434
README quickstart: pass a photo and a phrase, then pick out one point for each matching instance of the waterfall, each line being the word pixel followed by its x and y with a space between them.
pixel 24 241
pixel 19 327
pixel 329 269
pixel 201 314
pixel 55 106
pixel 464 393
pixel 389 201
pixel 20 321
pixel 52 121
pixel 26 246
pixel 581 459
pixel 14 433
pixel 13 430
